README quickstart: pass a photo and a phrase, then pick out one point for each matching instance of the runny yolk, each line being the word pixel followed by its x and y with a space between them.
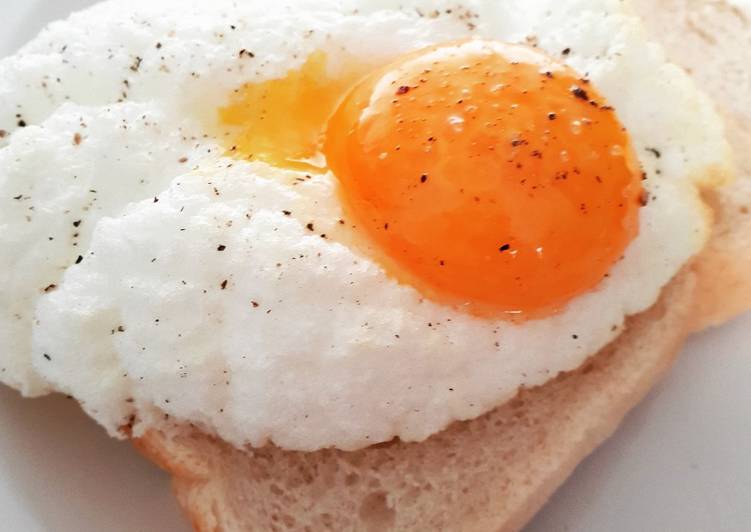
pixel 488 175
pixel 281 121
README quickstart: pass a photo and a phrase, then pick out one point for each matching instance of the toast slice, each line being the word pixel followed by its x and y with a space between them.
pixel 494 472
pixel 487 474
pixel 711 39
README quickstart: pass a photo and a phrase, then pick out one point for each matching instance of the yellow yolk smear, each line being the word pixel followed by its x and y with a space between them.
pixel 491 174
pixel 282 121
pixel 484 174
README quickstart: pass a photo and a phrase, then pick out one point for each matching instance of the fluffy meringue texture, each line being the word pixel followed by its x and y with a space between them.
pixel 57 180
pixel 196 296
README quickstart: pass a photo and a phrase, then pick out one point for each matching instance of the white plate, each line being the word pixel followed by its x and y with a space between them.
pixel 680 462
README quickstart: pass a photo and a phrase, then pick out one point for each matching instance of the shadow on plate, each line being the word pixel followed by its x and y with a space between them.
pixel 66 474
pixel 40 13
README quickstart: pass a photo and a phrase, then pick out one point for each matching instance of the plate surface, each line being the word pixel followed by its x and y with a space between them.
pixel 680 461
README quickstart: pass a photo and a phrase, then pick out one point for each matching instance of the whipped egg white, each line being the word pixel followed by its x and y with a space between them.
pixel 147 271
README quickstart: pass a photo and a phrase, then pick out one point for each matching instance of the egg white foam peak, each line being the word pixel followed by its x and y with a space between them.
pixel 146 274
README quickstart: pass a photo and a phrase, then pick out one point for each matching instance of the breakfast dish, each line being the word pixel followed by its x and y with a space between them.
pixel 350 261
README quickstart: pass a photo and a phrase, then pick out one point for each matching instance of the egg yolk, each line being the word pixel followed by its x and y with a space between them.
pixel 281 121
pixel 487 174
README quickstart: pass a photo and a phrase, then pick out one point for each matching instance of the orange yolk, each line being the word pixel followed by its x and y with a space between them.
pixel 489 174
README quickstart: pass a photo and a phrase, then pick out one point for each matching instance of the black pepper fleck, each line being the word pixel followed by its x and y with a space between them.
pixel 644 198
pixel 580 93
pixel 136 64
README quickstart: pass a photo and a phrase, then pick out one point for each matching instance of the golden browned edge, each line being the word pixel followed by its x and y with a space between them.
pixel 723 278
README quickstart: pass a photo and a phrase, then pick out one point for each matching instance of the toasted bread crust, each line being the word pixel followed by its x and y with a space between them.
pixel 712 40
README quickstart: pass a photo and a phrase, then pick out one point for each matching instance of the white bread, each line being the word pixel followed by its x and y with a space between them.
pixel 712 40
pixel 491 473
pixel 494 472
